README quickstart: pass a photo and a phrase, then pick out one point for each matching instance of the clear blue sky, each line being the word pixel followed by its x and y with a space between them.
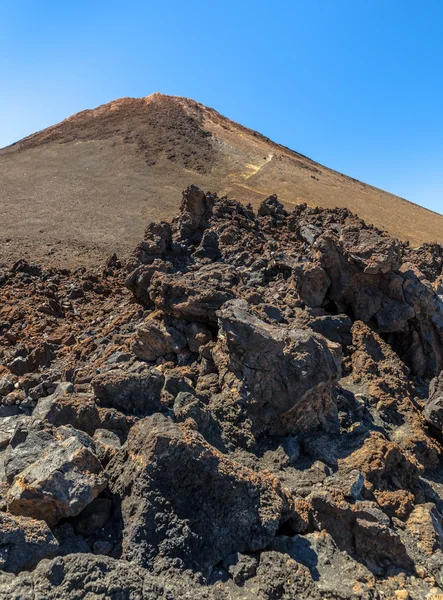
pixel 354 84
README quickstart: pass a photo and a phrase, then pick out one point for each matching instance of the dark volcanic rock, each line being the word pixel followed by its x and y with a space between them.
pixel 194 296
pixel 132 393
pixel 195 212
pixel 64 478
pixel 360 529
pixel 283 376
pixel 183 500
pixel 82 412
pixel 433 411
pixel 23 543
pixel 154 339
pixel 78 577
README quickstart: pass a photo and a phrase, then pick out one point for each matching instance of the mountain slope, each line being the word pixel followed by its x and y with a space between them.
pixel 87 186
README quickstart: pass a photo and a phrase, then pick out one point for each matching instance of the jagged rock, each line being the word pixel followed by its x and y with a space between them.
pixel 279 576
pixel 284 455
pixel 349 483
pixel 425 524
pixel 157 241
pixel 106 443
pixel 336 328
pixel 241 567
pixel 284 377
pixel 175 383
pixel 7 427
pixel 433 411
pixel 253 313
pixel 140 278
pixel 429 260
pixel 271 207
pixel 312 283
pixel 395 503
pixel 209 247
pixel 374 362
pixel 154 339
pixel 195 212
pixel 26 447
pixel 192 296
pixel 23 543
pixel 64 478
pixel 361 529
pixel 76 576
pixel 383 464
pixel 369 281
pixel 184 500
pixel 188 406
pixel 19 366
pixel 82 576
pixel 61 389
pixel 378 542
pixel 80 411
pixel 373 250
pixel 336 573
pixel 132 393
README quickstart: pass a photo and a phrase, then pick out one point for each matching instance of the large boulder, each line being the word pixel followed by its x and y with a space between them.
pixel 64 478
pixel 132 393
pixel 383 463
pixel 7 427
pixel 283 376
pixel 24 542
pixel 154 339
pixel 371 249
pixel 361 530
pixel 25 448
pixel 184 501
pixel 193 296
pixel 369 281
pixel 139 279
pixel 82 412
pixel 313 283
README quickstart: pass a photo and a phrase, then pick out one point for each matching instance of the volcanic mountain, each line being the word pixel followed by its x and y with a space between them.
pixel 80 190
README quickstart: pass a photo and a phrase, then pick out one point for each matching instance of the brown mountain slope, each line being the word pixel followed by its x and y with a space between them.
pixel 88 186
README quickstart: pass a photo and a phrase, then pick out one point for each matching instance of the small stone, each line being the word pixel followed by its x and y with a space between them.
pixel 19 366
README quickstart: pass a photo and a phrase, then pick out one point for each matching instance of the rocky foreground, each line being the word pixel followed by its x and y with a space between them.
pixel 251 408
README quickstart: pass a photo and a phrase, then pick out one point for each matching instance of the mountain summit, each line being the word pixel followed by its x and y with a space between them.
pixel 87 186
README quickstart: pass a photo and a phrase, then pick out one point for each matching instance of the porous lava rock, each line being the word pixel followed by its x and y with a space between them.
pixel 184 500
pixel 24 542
pixel 284 376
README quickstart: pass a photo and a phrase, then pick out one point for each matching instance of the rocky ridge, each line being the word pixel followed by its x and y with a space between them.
pixel 250 407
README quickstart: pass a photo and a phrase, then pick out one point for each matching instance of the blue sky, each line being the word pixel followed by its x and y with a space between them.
pixel 354 84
